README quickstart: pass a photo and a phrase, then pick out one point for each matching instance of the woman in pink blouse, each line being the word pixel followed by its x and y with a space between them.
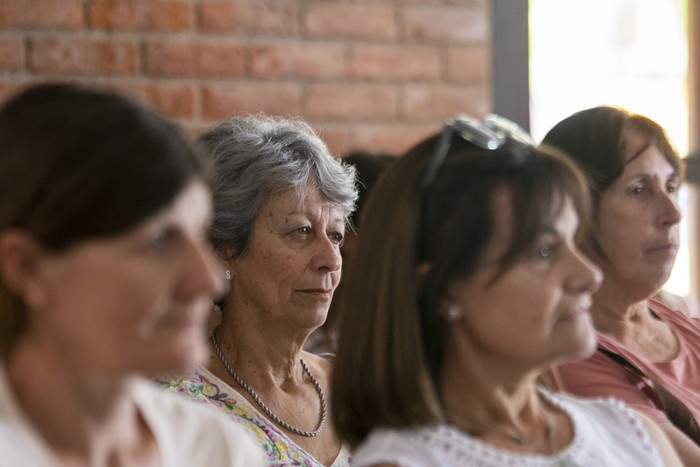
pixel 648 355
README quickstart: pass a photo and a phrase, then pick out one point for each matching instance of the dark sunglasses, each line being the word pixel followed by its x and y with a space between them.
pixel 490 133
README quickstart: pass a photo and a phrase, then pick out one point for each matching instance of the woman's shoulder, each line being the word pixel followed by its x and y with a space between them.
pixel 204 386
pixel 324 360
pixel 150 394
pixel 410 447
pixel 603 414
pixel 603 406
pixel 675 318
pixel 320 366
pixel 607 429
pixel 182 379
pixel 189 430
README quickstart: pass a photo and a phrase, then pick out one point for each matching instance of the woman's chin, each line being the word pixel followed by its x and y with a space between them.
pixel 183 355
pixel 586 348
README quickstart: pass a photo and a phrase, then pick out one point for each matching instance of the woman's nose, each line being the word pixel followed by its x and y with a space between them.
pixel 669 211
pixel 204 274
pixel 587 275
pixel 328 255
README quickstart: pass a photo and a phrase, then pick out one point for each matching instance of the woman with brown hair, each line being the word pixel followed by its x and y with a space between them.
pixel 648 355
pixel 470 283
pixel 105 280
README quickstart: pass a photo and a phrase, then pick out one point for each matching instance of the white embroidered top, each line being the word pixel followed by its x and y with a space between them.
pixel 607 434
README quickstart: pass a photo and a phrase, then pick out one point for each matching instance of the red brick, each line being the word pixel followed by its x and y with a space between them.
pixel 66 14
pixel 12 54
pixel 271 18
pixel 9 89
pixel 351 102
pixel 481 4
pixel 392 138
pixel 337 137
pixel 391 62
pixel 448 25
pixel 297 60
pixel 469 64
pixel 369 74
pixel 83 56
pixel 172 99
pixel 223 100
pixel 404 2
pixel 195 128
pixel 435 103
pixel 198 59
pixel 342 20
pixel 141 15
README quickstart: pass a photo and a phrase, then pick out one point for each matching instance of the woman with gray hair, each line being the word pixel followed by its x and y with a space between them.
pixel 281 204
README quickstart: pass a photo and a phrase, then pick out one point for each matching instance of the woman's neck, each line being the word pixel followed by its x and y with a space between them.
pixel 502 408
pixel 257 350
pixel 84 417
pixel 479 393
pixel 615 313
pixel 637 328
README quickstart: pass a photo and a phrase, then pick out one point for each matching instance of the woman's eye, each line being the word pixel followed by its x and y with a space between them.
pixel 544 251
pixel 336 238
pixel 637 190
pixel 301 232
pixel 162 240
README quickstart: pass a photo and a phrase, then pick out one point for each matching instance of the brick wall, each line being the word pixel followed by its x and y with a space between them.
pixel 367 74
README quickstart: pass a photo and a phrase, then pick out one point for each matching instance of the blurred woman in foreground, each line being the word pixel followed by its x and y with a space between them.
pixel 105 280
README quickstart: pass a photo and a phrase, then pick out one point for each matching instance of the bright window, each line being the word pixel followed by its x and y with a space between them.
pixel 630 53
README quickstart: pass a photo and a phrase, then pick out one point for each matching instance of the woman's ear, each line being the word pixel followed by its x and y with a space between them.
pixel 449 309
pixel 19 266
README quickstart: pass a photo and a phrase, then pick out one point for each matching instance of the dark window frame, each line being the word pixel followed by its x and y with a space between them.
pixel 510 71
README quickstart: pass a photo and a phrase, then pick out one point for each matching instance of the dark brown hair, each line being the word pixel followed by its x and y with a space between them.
pixel 595 139
pixel 392 337
pixel 78 163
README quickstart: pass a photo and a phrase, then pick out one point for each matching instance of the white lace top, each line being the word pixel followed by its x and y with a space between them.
pixel 607 434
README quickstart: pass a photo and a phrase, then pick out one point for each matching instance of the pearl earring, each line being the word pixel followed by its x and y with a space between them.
pixel 228 274
pixel 453 313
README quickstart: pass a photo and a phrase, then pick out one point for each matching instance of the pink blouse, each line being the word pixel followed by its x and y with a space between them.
pixel 599 375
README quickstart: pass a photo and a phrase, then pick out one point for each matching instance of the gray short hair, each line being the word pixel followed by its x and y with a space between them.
pixel 257 156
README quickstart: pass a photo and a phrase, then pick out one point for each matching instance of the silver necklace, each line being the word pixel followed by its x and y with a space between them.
pixel 262 405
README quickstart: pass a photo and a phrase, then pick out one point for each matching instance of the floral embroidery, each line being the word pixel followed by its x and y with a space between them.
pixel 280 450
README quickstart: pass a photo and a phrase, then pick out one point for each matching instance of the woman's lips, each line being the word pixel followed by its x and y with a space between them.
pixel 581 308
pixel 321 293
pixel 665 249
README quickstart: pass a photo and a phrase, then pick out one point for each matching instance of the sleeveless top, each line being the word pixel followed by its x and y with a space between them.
pixel 607 434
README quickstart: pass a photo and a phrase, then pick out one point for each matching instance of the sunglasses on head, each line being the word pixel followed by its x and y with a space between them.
pixel 490 133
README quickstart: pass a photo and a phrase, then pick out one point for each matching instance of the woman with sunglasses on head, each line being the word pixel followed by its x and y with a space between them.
pixel 470 284
pixel 105 280
pixel 648 355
